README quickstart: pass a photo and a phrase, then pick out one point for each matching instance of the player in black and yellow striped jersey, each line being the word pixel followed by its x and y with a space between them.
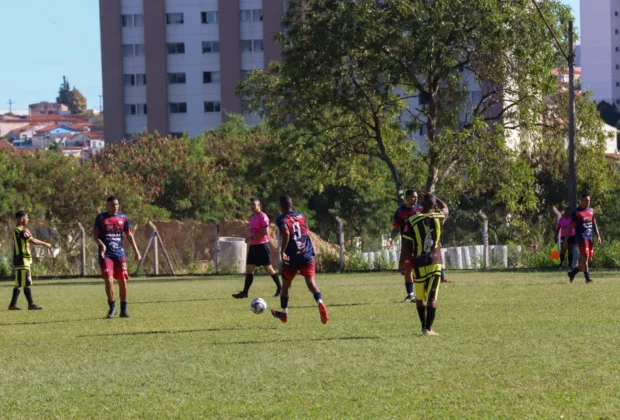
pixel 22 259
pixel 427 261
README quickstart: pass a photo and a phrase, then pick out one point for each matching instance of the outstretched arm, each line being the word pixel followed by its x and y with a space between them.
pixel 35 241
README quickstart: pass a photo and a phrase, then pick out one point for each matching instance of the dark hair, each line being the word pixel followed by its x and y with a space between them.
pixel 568 209
pixel 20 214
pixel 110 199
pixel 585 194
pixel 409 193
pixel 429 198
pixel 253 199
pixel 286 201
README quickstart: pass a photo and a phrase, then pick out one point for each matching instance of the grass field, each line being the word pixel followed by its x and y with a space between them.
pixel 511 346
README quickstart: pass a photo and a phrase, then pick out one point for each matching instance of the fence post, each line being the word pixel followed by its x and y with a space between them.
pixel 163 248
pixel 146 250
pixel 217 248
pixel 279 252
pixel 82 251
pixel 485 240
pixel 341 242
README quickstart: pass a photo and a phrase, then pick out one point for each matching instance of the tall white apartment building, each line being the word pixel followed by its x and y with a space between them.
pixel 172 65
pixel 600 49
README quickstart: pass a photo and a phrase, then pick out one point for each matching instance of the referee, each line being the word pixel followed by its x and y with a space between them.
pixel 259 253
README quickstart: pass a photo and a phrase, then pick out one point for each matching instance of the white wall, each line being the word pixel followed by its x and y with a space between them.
pixel 598 43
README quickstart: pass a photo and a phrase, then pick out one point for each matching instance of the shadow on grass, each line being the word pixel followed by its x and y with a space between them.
pixel 174 331
pixel 297 340
pixel 177 301
pixel 334 305
pixel 60 321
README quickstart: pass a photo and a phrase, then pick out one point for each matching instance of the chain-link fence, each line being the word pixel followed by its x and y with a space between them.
pixel 181 248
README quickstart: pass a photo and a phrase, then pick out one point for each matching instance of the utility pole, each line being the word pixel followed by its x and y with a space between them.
pixel 572 170
pixel 10 102
pixel 570 58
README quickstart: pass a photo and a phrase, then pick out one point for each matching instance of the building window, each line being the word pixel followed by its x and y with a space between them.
pixel 138 20
pixel 130 109
pixel 129 80
pixel 210 47
pixel 212 106
pixel 617 84
pixel 616 13
pixel 177 107
pixel 618 141
pixel 128 50
pixel 174 18
pixel 616 32
pixel 245 74
pixel 175 48
pixel 141 109
pixel 251 15
pixel 139 50
pixel 245 15
pixel 617 66
pixel 210 17
pixel 140 79
pixel 176 78
pixel 476 97
pixel 211 77
pixel 251 45
pixel 423 130
pixel 127 21
pixel 176 135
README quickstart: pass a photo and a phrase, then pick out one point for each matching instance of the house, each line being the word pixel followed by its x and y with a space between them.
pixel 51 134
pixel 7 147
pixel 91 140
pixel 48 108
pixel 74 152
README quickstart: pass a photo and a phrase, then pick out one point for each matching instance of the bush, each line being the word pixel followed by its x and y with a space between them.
pixel 356 262
pixel 607 255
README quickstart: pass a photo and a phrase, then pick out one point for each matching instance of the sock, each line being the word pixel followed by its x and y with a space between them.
pixel 430 317
pixel 587 275
pixel 16 293
pixel 443 277
pixel 123 306
pixel 284 304
pixel 422 315
pixel 562 256
pixel 112 304
pixel 249 279
pixel 276 280
pixel 409 287
pixel 28 294
pixel 574 271
pixel 318 297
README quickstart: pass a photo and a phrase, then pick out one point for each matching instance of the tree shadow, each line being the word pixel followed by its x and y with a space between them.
pixel 333 305
pixel 61 321
pixel 156 332
pixel 176 301
pixel 296 340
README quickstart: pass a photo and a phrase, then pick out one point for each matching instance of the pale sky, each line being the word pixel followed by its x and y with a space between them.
pixel 46 39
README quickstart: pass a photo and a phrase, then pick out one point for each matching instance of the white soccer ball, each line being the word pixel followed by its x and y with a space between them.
pixel 258 306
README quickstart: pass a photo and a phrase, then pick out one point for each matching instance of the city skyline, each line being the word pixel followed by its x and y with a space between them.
pixel 57 42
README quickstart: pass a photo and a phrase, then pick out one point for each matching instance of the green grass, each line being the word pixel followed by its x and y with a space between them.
pixel 511 346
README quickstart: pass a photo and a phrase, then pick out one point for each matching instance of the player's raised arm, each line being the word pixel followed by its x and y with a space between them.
pixel 443 207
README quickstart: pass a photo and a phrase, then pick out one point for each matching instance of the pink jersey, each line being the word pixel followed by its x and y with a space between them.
pixel 563 225
pixel 257 224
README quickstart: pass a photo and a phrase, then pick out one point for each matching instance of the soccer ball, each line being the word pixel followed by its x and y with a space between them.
pixel 258 306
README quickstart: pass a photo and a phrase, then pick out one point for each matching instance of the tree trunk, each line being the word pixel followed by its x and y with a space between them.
pixel 400 196
pixel 433 111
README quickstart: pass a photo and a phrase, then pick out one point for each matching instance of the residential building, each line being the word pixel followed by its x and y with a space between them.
pixel 600 48
pixel 48 108
pixel 173 66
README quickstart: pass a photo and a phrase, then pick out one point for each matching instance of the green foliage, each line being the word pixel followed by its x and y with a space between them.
pixel 64 92
pixel 77 102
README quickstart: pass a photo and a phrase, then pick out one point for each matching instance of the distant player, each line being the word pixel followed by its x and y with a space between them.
pixel 22 260
pixel 401 225
pixel 259 253
pixel 427 260
pixel 584 222
pixel 108 233
pixel 297 255
pixel 565 229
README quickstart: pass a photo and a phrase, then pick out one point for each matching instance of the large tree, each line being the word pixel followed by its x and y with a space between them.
pixel 77 102
pixel 350 70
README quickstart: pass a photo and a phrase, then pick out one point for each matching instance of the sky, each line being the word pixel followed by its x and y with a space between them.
pixel 45 40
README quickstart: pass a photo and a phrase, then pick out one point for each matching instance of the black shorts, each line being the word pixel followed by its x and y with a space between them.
pixel 259 255
pixel 571 241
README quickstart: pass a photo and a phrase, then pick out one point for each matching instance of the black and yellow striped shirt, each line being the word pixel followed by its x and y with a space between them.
pixel 426 234
pixel 21 247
